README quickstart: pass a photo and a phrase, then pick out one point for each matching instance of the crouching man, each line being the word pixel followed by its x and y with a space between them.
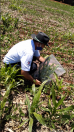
pixel 23 52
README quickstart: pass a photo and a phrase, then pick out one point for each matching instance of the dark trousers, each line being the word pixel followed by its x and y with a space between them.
pixel 32 69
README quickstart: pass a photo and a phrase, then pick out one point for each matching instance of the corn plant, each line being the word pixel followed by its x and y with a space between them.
pixel 9 79
pixel 13 115
pixel 44 71
pixel 54 113
pixel 59 83
pixel 34 107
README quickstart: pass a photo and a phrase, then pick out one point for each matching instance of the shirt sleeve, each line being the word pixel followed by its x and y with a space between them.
pixel 37 53
pixel 26 62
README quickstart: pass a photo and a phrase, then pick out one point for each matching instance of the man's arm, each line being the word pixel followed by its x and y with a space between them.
pixel 29 77
pixel 41 59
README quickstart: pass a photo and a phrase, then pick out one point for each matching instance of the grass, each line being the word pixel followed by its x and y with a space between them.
pixel 19 19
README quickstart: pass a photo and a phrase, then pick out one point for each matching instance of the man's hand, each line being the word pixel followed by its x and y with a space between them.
pixel 37 82
pixel 41 59
pixel 29 77
pixel 51 64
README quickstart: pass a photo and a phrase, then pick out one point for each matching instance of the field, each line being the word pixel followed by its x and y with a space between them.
pixel 20 19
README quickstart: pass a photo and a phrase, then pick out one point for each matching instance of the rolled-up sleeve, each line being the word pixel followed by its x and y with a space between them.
pixel 37 53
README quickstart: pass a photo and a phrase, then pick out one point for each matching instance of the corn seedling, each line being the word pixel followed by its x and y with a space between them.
pixel 10 79
pixel 53 113
pixel 59 83
pixel 44 71
pixel 34 106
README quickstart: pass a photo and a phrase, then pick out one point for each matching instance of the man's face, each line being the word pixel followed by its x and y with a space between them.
pixel 41 45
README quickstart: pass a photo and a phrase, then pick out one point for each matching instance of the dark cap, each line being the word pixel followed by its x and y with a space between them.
pixel 41 37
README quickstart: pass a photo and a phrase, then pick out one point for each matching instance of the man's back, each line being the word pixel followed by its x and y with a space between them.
pixel 18 50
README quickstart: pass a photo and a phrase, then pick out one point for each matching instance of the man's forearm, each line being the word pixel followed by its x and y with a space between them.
pixel 27 75
pixel 41 59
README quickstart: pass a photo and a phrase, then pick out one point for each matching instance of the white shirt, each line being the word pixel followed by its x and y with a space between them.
pixel 22 52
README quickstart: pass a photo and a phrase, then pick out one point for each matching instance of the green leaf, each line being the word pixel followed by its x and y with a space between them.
pixel 7 78
pixel 8 117
pixel 39 118
pixel 72 130
pixel 53 95
pixel 33 88
pixel 14 117
pixel 72 116
pixel 30 124
pixel 72 126
pixel 60 102
pixel 53 126
pixel 35 101
pixel 28 103
pixel 22 114
pixel 66 109
pixel 6 96
pixel 45 109
pixel 49 105
pixel 23 123
pixel 66 121
pixel 66 116
pixel 41 86
pixel 37 97
pixel 58 82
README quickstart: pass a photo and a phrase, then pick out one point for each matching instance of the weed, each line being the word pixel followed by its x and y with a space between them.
pixel 13 7
pixel 16 22
pixel 6 19
pixel 72 24
pixel 7 23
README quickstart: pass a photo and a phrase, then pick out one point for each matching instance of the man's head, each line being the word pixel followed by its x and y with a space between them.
pixel 41 39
